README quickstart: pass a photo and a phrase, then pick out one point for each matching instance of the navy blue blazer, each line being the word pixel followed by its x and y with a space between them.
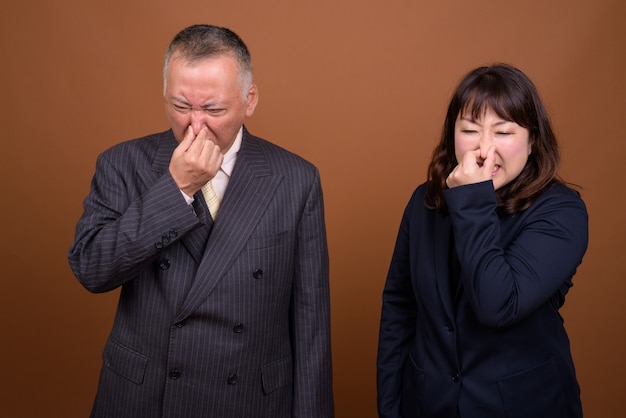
pixel 494 345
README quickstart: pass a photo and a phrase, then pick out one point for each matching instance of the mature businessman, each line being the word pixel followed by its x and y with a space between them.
pixel 224 309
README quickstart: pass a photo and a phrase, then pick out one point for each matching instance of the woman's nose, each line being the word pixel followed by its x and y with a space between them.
pixel 485 142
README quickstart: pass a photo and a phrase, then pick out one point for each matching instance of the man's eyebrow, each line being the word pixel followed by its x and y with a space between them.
pixel 180 100
pixel 183 101
pixel 213 103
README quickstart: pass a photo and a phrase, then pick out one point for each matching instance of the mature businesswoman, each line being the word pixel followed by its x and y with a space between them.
pixel 485 255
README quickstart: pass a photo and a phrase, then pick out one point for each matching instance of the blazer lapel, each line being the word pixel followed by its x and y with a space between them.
pixel 443 232
pixel 195 241
pixel 249 192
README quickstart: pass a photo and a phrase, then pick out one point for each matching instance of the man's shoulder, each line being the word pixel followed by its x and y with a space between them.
pixel 146 143
pixel 144 148
pixel 275 153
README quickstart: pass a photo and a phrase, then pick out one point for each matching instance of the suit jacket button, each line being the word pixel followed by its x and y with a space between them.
pixel 257 274
pixel 456 377
pixel 164 264
pixel 173 233
pixel 449 327
pixel 158 245
pixel 174 374
pixel 232 379
pixel 238 328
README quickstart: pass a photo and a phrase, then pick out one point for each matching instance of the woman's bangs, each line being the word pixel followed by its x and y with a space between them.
pixel 479 101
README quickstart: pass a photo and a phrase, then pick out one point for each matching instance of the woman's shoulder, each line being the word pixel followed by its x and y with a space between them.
pixel 419 192
pixel 561 192
pixel 559 198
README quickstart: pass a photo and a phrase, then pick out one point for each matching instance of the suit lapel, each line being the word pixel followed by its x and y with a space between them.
pixel 250 190
pixel 443 232
pixel 194 241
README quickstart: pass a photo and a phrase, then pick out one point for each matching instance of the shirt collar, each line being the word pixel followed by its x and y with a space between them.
pixel 231 155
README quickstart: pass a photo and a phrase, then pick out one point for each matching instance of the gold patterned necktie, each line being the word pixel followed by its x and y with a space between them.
pixel 211 198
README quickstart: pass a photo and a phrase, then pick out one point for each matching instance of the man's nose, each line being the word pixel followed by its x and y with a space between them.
pixel 197 120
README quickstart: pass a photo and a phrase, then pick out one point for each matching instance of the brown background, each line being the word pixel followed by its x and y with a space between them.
pixel 357 87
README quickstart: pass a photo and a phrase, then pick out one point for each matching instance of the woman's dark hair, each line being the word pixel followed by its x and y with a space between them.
pixel 510 94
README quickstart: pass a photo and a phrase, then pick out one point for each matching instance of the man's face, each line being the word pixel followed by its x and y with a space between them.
pixel 207 92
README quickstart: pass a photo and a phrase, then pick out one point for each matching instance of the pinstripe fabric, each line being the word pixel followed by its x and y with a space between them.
pixel 224 319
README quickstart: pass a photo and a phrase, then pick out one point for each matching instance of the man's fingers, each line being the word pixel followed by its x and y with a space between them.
pixel 212 157
pixel 188 140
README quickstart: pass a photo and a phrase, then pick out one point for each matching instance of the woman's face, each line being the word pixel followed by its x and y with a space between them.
pixel 509 140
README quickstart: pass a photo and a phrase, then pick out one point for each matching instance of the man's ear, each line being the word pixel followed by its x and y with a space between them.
pixel 252 99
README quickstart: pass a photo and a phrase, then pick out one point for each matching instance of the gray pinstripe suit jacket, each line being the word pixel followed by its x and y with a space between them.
pixel 217 320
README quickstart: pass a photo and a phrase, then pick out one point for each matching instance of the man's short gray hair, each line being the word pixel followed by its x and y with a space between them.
pixel 203 41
